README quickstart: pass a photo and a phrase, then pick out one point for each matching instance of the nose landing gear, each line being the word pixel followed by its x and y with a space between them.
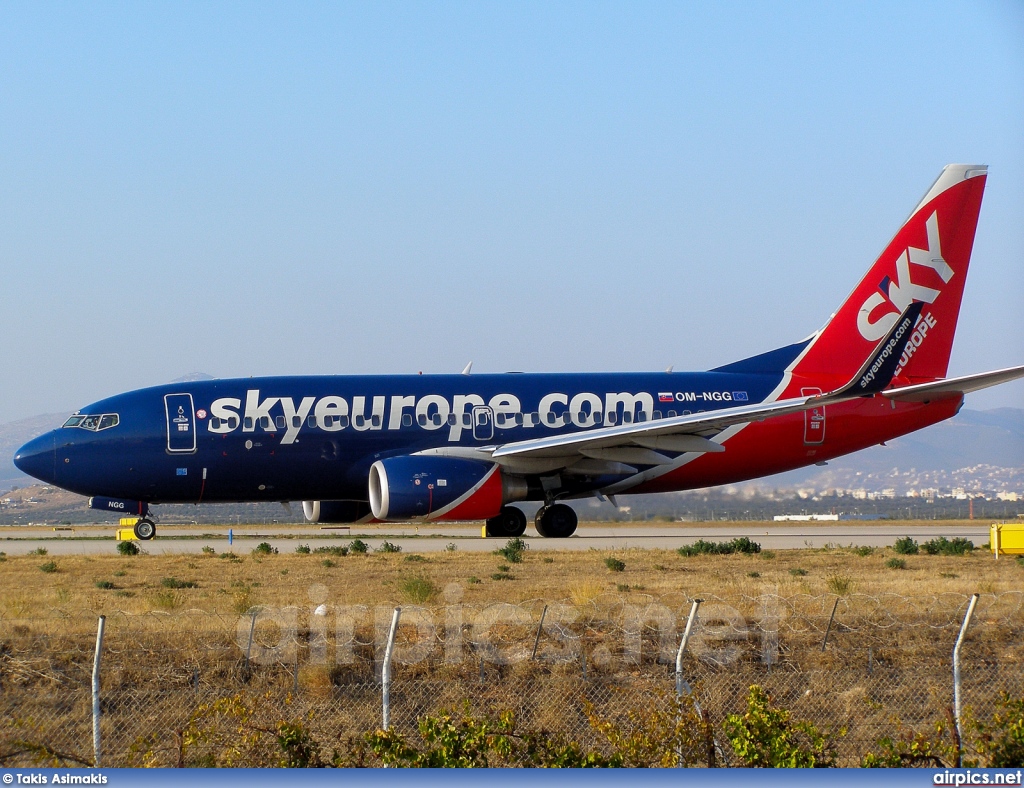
pixel 145 529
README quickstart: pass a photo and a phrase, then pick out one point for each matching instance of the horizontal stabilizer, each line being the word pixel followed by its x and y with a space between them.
pixel 963 385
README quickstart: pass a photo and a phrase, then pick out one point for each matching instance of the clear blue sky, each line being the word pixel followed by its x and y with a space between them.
pixel 261 188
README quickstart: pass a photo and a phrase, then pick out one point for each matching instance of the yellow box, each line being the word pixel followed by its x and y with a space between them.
pixel 128 522
pixel 483 531
pixel 1007 538
pixel 126 534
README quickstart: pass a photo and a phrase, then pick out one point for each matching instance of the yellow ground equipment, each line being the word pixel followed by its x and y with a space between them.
pixel 127 530
pixel 1007 539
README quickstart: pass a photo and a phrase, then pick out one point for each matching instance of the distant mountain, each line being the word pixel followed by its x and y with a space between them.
pixel 193 377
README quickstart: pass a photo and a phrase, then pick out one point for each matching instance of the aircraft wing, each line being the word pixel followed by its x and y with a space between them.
pixel 962 385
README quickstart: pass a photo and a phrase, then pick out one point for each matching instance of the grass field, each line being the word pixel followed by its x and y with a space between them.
pixel 231 583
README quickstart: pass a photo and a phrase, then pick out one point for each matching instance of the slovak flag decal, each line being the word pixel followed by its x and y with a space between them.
pixel 665 396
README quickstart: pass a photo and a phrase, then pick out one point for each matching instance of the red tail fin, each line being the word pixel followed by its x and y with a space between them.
pixel 926 262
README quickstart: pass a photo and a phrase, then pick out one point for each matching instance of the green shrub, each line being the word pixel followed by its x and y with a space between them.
pixel 766 736
pixel 547 560
pixel 106 585
pixel 416 558
pixel 840 585
pixel 334 549
pixel 230 557
pixel 39 551
pixel 173 582
pixel 264 548
pixel 328 563
pixel 49 567
pixel 753 574
pixel 207 550
pixel 943 546
pixel 473 580
pixel 358 547
pixel 906 546
pixel 303 549
pixel 387 547
pixel 513 550
pixel 614 564
pixel 863 551
pixel 418 589
pixel 128 548
pixel 502 576
pixel 700 547
pixel 896 563
pixel 798 572
pixel 451 547
pixel 3 556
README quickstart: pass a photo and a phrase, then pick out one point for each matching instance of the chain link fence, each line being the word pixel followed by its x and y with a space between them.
pixel 176 688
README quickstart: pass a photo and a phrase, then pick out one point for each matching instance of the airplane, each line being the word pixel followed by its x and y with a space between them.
pixel 401 448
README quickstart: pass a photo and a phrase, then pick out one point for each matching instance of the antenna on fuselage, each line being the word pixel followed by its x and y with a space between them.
pixel 468 369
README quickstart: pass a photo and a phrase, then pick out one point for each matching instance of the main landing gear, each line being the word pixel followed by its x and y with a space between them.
pixel 510 521
pixel 556 521
pixel 145 529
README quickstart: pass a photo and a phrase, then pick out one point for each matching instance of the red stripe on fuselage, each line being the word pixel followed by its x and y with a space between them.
pixel 777 445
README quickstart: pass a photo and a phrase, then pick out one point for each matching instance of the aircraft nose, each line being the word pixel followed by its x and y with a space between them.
pixel 38 458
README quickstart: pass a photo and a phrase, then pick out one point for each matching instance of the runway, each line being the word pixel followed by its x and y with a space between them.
pixel 98 540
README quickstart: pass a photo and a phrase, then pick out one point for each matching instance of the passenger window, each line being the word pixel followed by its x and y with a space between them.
pixel 359 420
pixel 567 418
pixel 437 419
pixel 551 418
pixel 452 419
pixel 375 420
pixel 406 419
pixel 233 422
pixel 280 422
pixel 612 417
pixel 641 416
pixel 311 421
pixel 519 419
pixel 248 422
pixel 671 414
pixel 627 417
pixel 265 422
pixel 597 417
pixel 108 420
pixel 214 423
pixel 296 421
pixel 422 419
pixel 342 420
pixel 657 414
pixel 466 420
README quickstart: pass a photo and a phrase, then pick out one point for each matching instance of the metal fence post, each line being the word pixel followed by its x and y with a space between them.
pixel 680 682
pixel 540 628
pixel 956 661
pixel 386 672
pixel 96 692
pixel 828 629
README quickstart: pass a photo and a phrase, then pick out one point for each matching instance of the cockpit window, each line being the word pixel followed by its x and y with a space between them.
pixel 93 423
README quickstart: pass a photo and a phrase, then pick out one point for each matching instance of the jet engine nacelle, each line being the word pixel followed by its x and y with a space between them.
pixel 335 511
pixel 439 488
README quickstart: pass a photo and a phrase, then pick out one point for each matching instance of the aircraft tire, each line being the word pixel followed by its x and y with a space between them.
pixel 510 521
pixel 556 521
pixel 145 529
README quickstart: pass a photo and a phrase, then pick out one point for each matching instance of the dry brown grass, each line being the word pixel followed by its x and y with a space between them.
pixel 231 586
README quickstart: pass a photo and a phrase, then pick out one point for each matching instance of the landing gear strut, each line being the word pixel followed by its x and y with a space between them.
pixel 556 521
pixel 145 529
pixel 510 521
